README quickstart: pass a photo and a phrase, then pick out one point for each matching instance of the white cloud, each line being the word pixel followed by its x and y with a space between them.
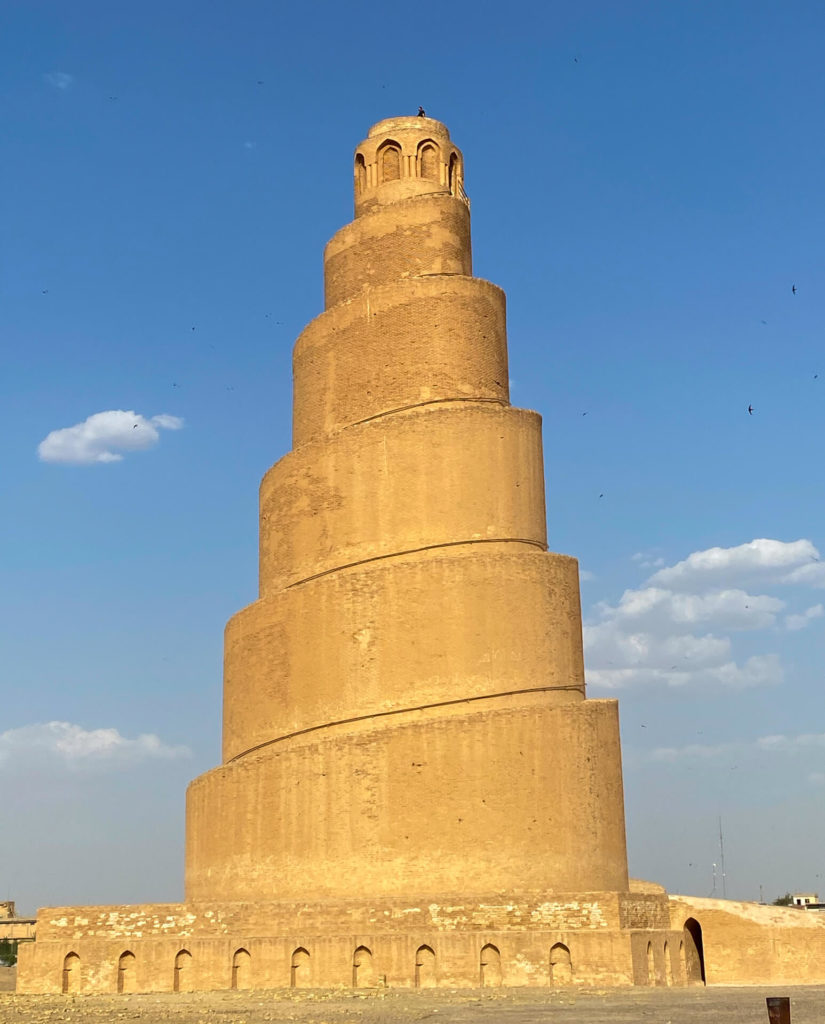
pixel 791 743
pixel 103 436
pixel 694 751
pixel 167 422
pixel 623 678
pixel 812 574
pixel 647 560
pixel 723 566
pixel 612 644
pixel 731 609
pixel 760 670
pixel 75 745
pixel 59 79
pixel 795 622
pixel 676 629
pixel 646 641
pixel 762 744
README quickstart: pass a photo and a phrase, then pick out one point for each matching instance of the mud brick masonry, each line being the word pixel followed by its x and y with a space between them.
pixel 414 788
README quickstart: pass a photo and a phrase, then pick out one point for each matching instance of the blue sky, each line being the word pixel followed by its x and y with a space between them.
pixel 646 181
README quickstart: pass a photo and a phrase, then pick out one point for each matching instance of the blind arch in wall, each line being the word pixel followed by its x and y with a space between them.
pixel 389 162
pixel 126 972
pixel 70 981
pixel 428 161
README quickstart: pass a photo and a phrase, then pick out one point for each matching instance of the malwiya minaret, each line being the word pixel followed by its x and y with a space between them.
pixel 414 788
pixel 404 705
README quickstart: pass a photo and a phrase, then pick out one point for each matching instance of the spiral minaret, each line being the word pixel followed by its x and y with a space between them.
pixel 404 705
pixel 415 790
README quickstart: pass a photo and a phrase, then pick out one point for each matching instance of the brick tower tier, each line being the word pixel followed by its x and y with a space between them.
pixel 414 789
pixel 404 706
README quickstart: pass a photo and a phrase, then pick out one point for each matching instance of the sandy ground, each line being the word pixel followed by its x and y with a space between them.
pixel 514 1006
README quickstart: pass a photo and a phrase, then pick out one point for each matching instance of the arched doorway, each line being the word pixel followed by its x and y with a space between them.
pixel 561 966
pixel 651 966
pixel 71 973
pixel 694 953
pixel 126 972
pixel 362 972
pixel 241 969
pixel 182 981
pixel 668 966
pixel 424 967
pixel 299 968
pixel 490 966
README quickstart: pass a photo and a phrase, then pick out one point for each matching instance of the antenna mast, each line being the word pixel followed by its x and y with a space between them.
pixel 722 858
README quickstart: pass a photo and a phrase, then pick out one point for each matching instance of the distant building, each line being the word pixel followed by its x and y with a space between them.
pixel 17 929
pixel 807 901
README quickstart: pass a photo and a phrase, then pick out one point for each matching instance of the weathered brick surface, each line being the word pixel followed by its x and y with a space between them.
pixel 643 911
pixel 751 942
pixel 455 932
pixel 411 342
pixel 419 236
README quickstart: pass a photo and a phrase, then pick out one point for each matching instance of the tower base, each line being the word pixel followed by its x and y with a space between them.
pixel 640 937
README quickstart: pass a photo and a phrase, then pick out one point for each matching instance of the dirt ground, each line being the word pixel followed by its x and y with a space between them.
pixel 512 1006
